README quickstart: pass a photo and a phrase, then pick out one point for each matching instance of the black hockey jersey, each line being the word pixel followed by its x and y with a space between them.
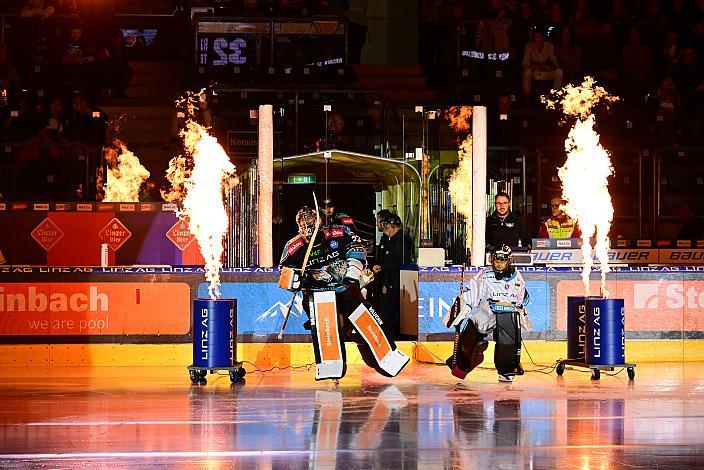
pixel 327 262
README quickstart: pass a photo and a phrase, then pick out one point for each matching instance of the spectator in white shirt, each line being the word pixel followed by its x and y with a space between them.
pixel 540 63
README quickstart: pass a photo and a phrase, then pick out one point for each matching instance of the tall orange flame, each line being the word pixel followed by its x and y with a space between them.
pixel 125 174
pixel 585 174
pixel 199 181
pixel 461 179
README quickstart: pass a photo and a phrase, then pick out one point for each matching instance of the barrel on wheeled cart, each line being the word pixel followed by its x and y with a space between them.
pixel 214 339
pixel 596 335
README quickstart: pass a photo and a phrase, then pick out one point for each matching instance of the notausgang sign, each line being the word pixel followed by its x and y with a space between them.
pixel 247 142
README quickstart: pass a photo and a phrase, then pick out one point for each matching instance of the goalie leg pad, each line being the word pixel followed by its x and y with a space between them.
pixel 507 353
pixel 388 359
pixel 327 338
pixel 470 345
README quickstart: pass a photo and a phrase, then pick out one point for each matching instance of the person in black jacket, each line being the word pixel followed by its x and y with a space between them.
pixel 504 227
pixel 374 287
pixel 397 252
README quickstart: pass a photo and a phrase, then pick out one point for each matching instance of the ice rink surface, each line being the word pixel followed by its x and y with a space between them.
pixel 114 417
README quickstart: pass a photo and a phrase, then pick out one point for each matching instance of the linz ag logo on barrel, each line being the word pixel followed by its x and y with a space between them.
pixel 115 234
pixel 180 235
pixel 47 234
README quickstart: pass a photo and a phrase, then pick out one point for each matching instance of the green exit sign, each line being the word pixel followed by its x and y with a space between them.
pixel 301 179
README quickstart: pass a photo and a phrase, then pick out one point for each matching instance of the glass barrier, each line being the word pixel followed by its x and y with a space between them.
pixel 626 187
pixel 47 172
pixel 679 184
pixel 304 121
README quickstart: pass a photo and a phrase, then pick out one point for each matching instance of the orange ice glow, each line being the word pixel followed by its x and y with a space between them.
pixel 125 174
pixel 585 174
pixel 461 179
pixel 199 181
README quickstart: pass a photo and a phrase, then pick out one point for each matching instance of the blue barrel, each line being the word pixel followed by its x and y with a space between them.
pixel 214 329
pixel 606 331
pixel 576 327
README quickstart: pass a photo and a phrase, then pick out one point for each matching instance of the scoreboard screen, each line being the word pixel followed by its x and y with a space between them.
pixel 230 43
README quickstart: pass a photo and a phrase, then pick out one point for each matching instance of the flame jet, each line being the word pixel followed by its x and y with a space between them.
pixel 585 174
pixel 199 180
pixel 461 179
pixel 125 174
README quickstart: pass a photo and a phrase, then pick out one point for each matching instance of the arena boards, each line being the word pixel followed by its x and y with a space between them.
pixel 141 315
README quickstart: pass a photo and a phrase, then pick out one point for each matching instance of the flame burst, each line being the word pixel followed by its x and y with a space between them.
pixel 125 174
pixel 199 180
pixel 585 174
pixel 461 179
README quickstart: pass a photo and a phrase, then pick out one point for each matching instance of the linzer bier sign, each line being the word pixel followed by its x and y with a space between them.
pixel 114 234
pixel 47 234
pixel 180 235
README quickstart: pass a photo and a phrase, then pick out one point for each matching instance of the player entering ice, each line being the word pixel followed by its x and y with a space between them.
pixel 332 298
pixel 493 301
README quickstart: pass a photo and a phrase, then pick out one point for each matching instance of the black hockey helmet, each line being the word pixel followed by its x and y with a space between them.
pixel 501 259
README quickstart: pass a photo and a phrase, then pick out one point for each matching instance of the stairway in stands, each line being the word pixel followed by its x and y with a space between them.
pixel 149 112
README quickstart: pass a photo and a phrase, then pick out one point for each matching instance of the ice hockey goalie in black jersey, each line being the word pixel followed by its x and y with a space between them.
pixel 332 298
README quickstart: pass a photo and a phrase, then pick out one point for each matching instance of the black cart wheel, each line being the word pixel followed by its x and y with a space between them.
pixel 198 376
pixel 631 373
pixel 241 372
pixel 560 369
pixel 596 374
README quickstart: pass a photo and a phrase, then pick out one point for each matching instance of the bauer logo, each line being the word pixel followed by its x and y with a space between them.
pixel 645 296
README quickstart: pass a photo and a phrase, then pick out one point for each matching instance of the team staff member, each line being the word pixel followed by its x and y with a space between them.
pixel 374 288
pixel 329 215
pixel 504 227
pixel 396 253
pixel 559 224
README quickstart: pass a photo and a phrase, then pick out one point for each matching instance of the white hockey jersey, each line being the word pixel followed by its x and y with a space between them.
pixel 484 287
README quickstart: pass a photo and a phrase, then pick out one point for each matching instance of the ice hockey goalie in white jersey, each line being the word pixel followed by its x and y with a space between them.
pixel 494 300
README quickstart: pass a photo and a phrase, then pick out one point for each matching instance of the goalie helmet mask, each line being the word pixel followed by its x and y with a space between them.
pixel 306 218
pixel 501 261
